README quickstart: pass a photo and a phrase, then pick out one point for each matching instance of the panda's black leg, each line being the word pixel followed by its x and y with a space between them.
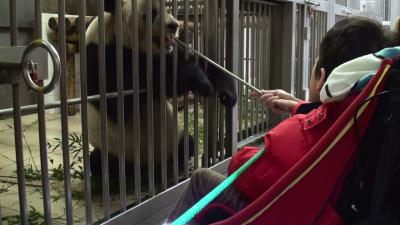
pixel 181 150
pixel 113 168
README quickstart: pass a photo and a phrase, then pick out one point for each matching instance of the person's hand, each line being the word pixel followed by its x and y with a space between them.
pixel 279 101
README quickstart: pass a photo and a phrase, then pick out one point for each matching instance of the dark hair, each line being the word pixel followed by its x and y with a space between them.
pixel 351 38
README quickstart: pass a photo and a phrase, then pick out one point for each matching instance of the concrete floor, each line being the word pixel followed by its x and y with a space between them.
pixel 8 177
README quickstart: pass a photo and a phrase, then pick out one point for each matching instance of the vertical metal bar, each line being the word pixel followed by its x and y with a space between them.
pixel 186 97
pixel 206 101
pixel 221 109
pixel 103 111
pixel 13 23
pixel 175 104
pixel 196 7
pixel 247 57
pixel 213 54
pixel 136 101
pixel 268 55
pixel 258 63
pixel 265 61
pixel 19 154
pixel 253 61
pixel 163 113
pixel 241 66
pixel 120 99
pixel 263 42
pixel 64 111
pixel 150 124
pixel 84 111
pixel 42 126
pixel 232 47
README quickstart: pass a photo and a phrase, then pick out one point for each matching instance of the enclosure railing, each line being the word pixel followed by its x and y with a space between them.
pixel 238 35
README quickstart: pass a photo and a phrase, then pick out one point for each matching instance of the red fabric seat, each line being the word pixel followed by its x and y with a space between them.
pixel 308 191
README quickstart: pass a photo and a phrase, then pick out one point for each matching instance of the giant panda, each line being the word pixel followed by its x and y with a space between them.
pixel 190 77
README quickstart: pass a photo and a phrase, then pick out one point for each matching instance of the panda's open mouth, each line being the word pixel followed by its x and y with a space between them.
pixel 169 40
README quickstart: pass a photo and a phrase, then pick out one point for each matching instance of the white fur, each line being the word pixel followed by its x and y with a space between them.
pixel 92 32
pixel 112 133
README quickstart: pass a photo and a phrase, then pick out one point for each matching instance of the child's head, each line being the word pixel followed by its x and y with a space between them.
pixel 346 40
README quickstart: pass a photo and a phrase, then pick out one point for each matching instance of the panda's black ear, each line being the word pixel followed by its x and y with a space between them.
pixel 109 6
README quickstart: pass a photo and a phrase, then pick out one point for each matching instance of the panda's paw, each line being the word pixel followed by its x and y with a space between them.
pixel 227 97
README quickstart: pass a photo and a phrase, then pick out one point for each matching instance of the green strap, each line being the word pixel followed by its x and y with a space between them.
pixel 192 212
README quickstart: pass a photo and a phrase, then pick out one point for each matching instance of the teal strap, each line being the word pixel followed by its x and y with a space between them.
pixel 192 212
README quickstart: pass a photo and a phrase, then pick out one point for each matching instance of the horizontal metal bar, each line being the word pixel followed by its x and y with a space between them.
pixel 251 139
pixel 218 66
pixel 263 2
pixel 30 109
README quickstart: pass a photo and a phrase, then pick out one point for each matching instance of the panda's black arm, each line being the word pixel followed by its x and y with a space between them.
pixel 190 77
pixel 223 84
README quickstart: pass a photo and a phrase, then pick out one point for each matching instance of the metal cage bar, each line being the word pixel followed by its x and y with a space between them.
pixel 196 96
pixel 163 127
pixel 19 154
pixel 103 112
pixel 252 59
pixel 206 31
pixel 186 98
pixel 175 105
pixel 150 109
pixel 13 23
pixel 64 111
pixel 42 127
pixel 221 108
pixel 241 68
pixel 84 112
pixel 120 104
pixel 136 101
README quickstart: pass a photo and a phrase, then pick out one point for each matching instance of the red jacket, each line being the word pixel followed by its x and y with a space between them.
pixel 285 145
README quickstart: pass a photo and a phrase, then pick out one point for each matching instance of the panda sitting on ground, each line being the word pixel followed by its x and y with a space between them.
pixel 190 77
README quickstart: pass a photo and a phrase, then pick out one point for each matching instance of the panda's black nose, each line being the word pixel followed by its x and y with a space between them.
pixel 172 26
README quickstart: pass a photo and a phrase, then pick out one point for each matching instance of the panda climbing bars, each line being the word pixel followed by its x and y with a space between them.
pixel 218 66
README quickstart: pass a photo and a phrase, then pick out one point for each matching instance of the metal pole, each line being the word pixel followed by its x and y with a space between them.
pixel 253 62
pixel 121 119
pixel 206 32
pixel 163 112
pixel 84 111
pixel 136 101
pixel 19 154
pixel 175 104
pixel 150 122
pixel 64 111
pixel 196 96
pixel 234 76
pixel 221 109
pixel 42 126
pixel 103 111
pixel 13 23
pixel 186 98
pixel 241 67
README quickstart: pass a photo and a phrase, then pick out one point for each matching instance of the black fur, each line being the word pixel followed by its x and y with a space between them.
pixel 190 77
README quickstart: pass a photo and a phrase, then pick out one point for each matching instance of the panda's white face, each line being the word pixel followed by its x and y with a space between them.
pixel 171 26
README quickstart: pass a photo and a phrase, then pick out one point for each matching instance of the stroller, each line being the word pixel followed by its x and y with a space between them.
pixel 350 176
